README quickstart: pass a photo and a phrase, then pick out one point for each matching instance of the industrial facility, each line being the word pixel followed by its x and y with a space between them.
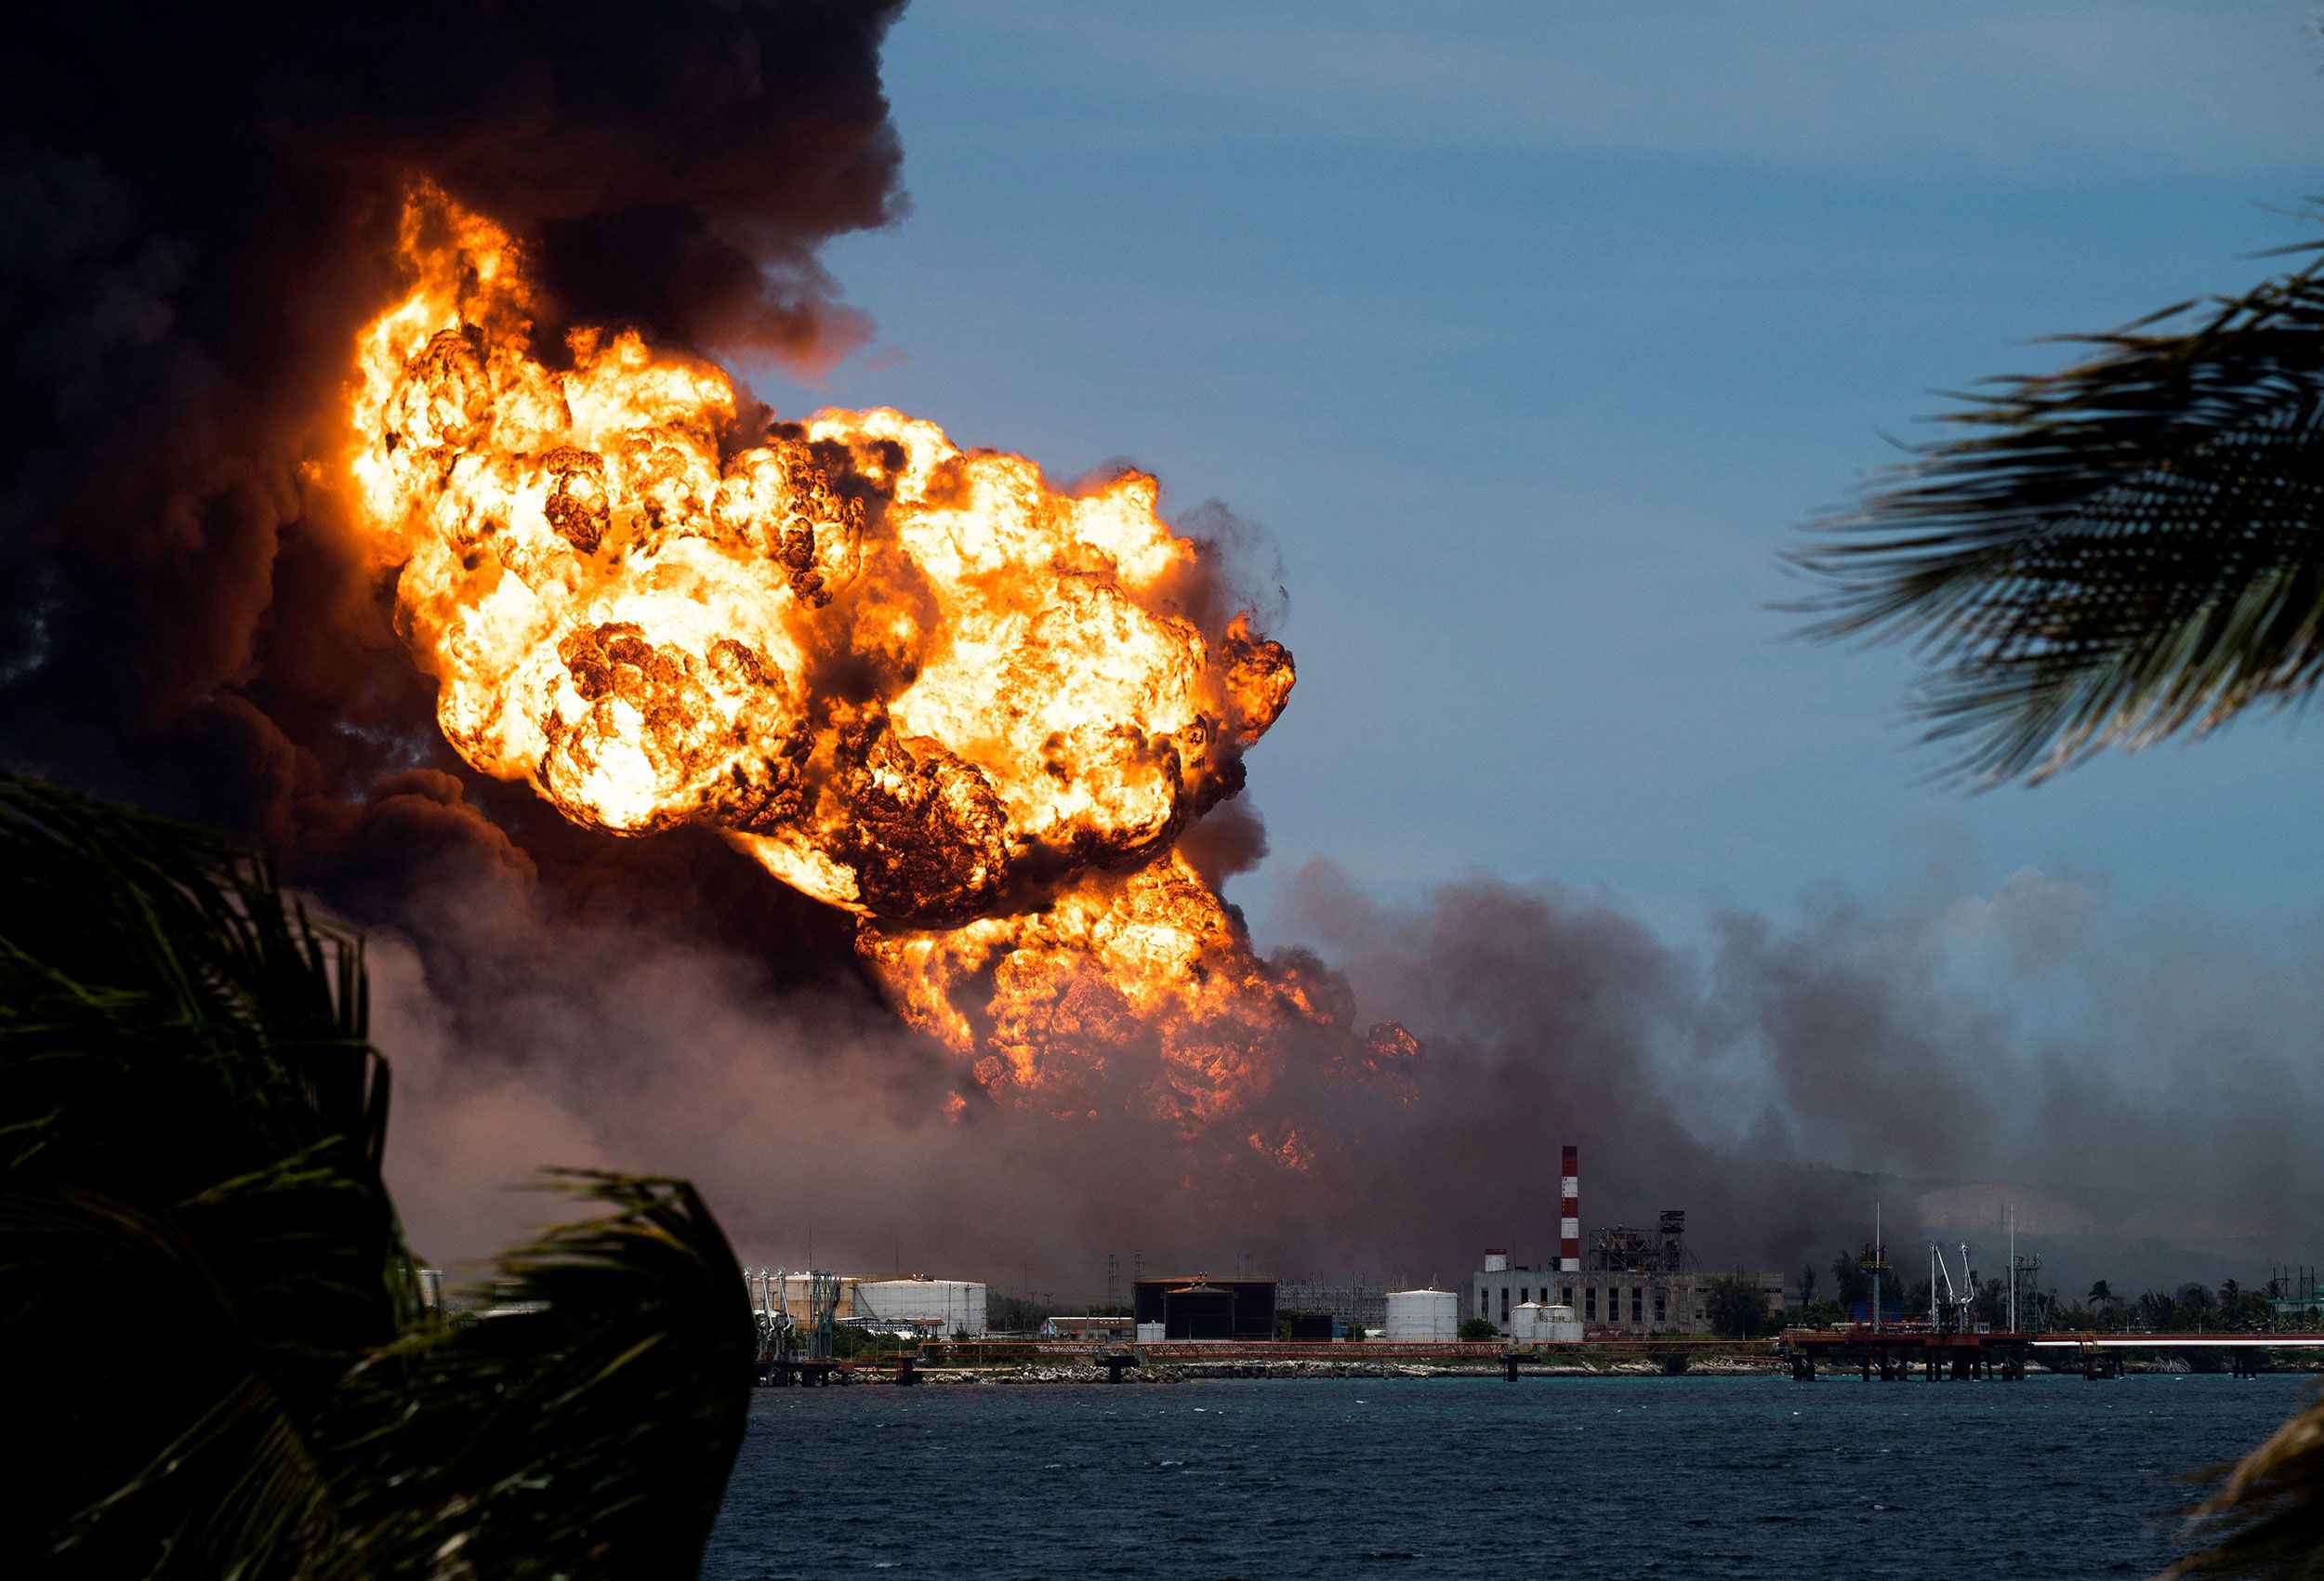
pixel 1616 1279
pixel 920 1306
pixel 1609 1283
pixel 1610 1286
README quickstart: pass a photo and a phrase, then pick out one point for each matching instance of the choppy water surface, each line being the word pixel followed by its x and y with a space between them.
pixel 1727 1476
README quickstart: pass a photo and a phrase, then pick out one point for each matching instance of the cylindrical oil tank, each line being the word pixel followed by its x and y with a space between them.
pixel 1536 1322
pixel 950 1306
pixel 1421 1314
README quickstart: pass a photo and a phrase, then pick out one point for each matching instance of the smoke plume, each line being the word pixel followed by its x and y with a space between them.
pixel 2137 1085
pixel 198 209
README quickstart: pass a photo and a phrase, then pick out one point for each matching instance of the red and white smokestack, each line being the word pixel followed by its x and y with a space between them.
pixel 1569 1215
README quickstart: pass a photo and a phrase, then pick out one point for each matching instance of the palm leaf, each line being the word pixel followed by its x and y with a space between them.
pixel 193 1234
pixel 584 1417
pixel 2112 553
pixel 236 1376
pixel 2267 1516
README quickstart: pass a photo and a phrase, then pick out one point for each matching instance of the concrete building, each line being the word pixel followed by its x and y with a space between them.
pixel 1629 1283
pixel 1636 1302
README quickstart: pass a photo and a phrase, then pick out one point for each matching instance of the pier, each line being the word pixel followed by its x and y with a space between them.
pixel 1894 1354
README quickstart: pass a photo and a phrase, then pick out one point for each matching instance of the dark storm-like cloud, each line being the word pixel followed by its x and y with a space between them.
pixel 198 207
pixel 2138 1084
pixel 197 210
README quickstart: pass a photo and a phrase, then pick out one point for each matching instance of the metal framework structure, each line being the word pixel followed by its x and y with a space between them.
pixel 1352 1304
pixel 1620 1249
pixel 2292 1292
pixel 782 1338
pixel 1952 1307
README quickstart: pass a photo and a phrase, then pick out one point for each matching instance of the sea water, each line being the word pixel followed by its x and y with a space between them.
pixel 1480 1478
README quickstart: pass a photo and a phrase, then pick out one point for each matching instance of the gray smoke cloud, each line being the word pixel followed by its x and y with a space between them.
pixel 2140 1085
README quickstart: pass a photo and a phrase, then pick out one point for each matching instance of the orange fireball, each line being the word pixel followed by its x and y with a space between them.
pixel 913 680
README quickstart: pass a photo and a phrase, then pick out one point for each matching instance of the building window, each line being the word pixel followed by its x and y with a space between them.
pixel 1566 1297
pixel 1589 1297
pixel 1484 1302
pixel 1637 1302
pixel 1524 1293
pixel 1661 1297
pixel 1504 1306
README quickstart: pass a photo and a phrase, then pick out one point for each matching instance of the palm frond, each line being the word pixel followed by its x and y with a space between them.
pixel 236 1376
pixel 2112 553
pixel 599 1393
pixel 193 1234
pixel 2267 1516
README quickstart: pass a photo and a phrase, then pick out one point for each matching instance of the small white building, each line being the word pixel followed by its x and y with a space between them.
pixel 1099 1327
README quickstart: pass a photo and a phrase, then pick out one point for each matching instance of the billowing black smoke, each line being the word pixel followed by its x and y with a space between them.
pixel 2138 1086
pixel 197 209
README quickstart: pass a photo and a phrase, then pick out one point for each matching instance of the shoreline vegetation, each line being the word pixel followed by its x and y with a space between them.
pixel 240 1369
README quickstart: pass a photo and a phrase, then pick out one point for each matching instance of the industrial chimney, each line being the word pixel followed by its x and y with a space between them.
pixel 1569 1214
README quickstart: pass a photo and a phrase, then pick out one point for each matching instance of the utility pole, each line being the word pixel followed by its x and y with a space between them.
pixel 2010 1212
pixel 1879 1264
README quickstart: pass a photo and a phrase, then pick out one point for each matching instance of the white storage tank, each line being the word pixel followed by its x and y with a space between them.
pixel 1536 1322
pixel 1421 1314
pixel 944 1306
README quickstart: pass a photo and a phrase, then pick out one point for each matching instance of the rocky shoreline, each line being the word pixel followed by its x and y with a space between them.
pixel 1199 1372
pixel 1706 1366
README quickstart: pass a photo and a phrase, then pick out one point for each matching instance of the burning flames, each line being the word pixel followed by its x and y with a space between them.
pixel 912 681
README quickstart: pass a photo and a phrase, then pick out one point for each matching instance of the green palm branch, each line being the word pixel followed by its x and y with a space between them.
pixel 2106 556
pixel 2110 554
pixel 2267 1516
pixel 219 1327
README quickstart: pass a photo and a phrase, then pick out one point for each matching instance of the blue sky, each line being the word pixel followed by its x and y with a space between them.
pixel 1530 334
